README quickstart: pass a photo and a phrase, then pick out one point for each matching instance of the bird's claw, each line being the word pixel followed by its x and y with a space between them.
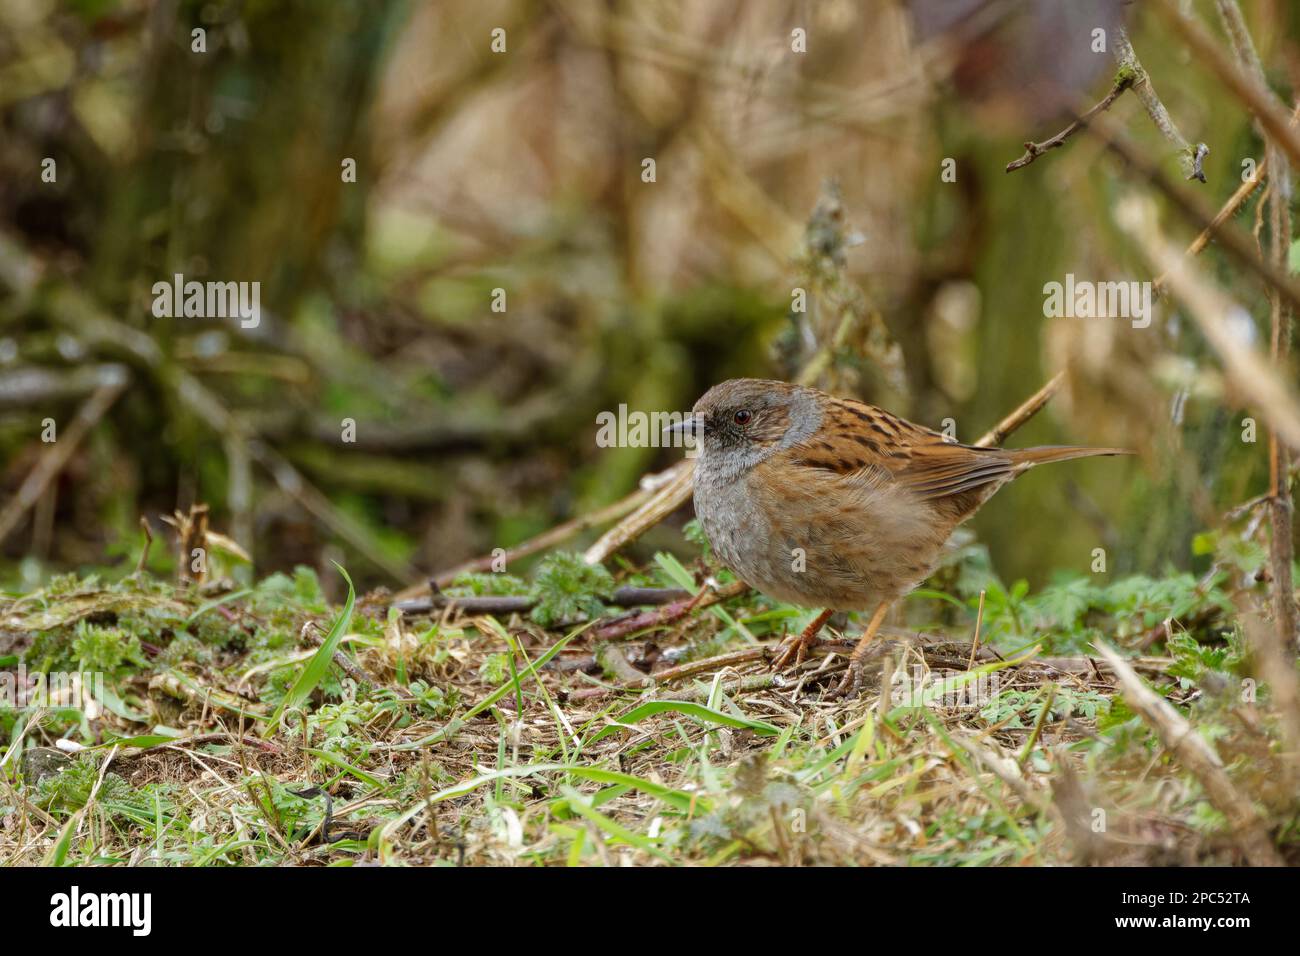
pixel 792 653
pixel 850 684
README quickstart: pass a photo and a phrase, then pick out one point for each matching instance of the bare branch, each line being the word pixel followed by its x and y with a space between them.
pixel 1194 210
pixel 1034 150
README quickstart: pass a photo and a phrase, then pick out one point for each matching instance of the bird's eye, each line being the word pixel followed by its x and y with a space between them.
pixel 743 416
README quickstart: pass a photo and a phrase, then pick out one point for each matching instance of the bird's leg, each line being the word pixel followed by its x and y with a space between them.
pixel 853 676
pixel 797 649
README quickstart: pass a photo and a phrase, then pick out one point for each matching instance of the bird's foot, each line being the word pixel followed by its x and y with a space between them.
pixel 850 684
pixel 795 650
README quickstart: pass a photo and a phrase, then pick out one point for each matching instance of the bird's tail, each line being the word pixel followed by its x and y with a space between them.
pixel 1028 457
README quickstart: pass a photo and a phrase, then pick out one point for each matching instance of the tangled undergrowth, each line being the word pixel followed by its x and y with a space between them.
pixel 557 726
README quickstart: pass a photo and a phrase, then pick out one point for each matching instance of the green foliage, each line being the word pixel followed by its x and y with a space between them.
pixel 64 584
pixel 1193 660
pixel 104 649
pixel 320 664
pixel 1072 611
pixel 495 668
pixel 338 724
pixel 1020 708
pixel 69 789
pixel 568 589
pixel 301 593
pixel 429 701
pixel 50 651
pixel 759 796
pixel 1246 555
pixel 185 648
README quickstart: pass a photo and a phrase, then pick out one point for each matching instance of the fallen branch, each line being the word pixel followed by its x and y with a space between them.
pixel 621 627
pixel 56 455
pixel 514 604
pixel 611 658
pixel 667 499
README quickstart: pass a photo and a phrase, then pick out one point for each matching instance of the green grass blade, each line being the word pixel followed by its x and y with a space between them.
pixel 496 695
pixel 344 765
pixel 688 709
pixel 58 855
pixel 616 830
pixel 319 663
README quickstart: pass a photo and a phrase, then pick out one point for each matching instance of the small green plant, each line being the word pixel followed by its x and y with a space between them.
pixel 495 668
pixel 693 531
pixel 568 589
pixel 104 649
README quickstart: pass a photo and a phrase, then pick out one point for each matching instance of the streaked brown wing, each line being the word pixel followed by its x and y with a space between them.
pixel 861 439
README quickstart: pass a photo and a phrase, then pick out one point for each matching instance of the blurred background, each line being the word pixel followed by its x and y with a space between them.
pixel 522 169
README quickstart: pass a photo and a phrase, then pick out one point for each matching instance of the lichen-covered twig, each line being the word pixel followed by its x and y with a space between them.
pixel 1131 75
pixel 1191 156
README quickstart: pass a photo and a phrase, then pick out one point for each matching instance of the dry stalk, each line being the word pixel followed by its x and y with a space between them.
pixel 1195 753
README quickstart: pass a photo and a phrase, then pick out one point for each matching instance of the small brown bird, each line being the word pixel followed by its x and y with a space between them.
pixel 832 503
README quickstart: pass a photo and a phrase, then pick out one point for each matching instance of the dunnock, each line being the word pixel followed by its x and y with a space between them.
pixel 832 503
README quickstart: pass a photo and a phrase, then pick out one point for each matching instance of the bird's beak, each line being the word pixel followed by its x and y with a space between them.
pixel 690 427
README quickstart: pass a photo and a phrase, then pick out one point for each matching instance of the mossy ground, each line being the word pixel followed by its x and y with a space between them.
pixel 521 739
